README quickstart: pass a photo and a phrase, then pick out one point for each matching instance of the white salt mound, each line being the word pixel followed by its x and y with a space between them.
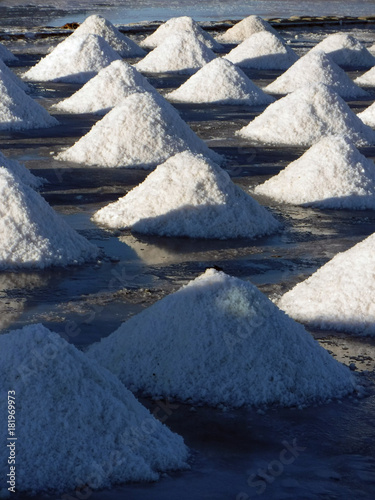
pixel 340 295
pixel 98 25
pixel 245 28
pixel 305 116
pixel 331 174
pixel 189 196
pixel 7 74
pixel 263 50
pixel 346 51
pixel 6 55
pixel 106 90
pixel 220 82
pixel 219 340
pixel 95 433
pixel 316 67
pixel 182 53
pixel 142 132
pixel 367 79
pixel 368 116
pixel 75 60
pixel 20 171
pixel 33 234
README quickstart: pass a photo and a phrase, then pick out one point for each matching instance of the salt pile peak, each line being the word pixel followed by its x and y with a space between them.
pixel 6 55
pixel 263 50
pixel 189 196
pixel 245 28
pixel 142 132
pixel 367 79
pixel 368 116
pixel 6 73
pixel 75 60
pixel 20 171
pixel 305 116
pixel 220 82
pixel 346 51
pixel 96 432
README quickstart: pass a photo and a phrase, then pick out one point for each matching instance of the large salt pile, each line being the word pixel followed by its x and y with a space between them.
pixel 142 132
pixel 220 82
pixel 316 67
pixel 346 51
pixel 106 90
pixel 263 50
pixel 219 340
pixel 367 79
pixel 305 116
pixel 331 174
pixel 182 53
pixel 20 171
pixel 189 196
pixel 368 116
pixel 33 235
pixel 245 28
pixel 340 295
pixel 90 432
pixel 7 74
pixel 75 60
pixel 6 55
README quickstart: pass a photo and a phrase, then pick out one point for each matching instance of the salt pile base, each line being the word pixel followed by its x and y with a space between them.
pixel 305 116
pixel 189 196
pixel 368 116
pixel 367 79
pixel 20 171
pixel 220 341
pixel 6 55
pixel 245 28
pixel 346 51
pixel 95 431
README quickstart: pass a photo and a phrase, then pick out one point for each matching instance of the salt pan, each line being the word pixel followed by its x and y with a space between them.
pixel 245 28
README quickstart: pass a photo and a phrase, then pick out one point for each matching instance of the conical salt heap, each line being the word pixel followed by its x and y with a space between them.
pixel 220 82
pixel 368 116
pixel 182 53
pixel 98 25
pixel 6 73
pixel 316 67
pixel 6 55
pixel 346 51
pixel 189 196
pixel 305 116
pixel 220 341
pixel 33 234
pixel 75 60
pixel 245 28
pixel 340 295
pixel 20 171
pixel 142 132
pixel 367 79
pixel 96 433
pixel 331 174
pixel 106 90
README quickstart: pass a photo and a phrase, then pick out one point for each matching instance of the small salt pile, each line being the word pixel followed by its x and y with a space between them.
pixel 367 79
pixel 189 196
pixel 6 55
pixel 368 116
pixel 220 82
pixel 33 234
pixel 331 174
pixel 88 432
pixel 6 73
pixel 142 132
pixel 245 28
pixel 305 116
pixel 75 60
pixel 316 67
pixel 20 171
pixel 263 50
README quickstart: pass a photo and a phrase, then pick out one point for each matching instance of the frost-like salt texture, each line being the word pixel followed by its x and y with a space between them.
pixel 189 196
pixel 346 51
pixel 340 295
pixel 106 90
pixel 263 50
pixel 367 79
pixel 176 26
pixel 142 132
pixel 245 28
pixel 88 431
pixel 316 67
pixel 6 55
pixel 219 340
pixel 21 172
pixel 220 82
pixel 368 116
pixel 331 174
pixel 98 25
pixel 33 235
pixel 182 53
pixel 75 60
pixel 7 74
pixel 305 116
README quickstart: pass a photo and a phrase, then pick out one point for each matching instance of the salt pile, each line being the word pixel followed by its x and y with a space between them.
pixel 331 174
pixel 182 53
pixel 75 60
pixel 220 82
pixel 142 132
pixel 346 51
pixel 106 90
pixel 368 115
pixel 340 295
pixel 305 116
pixel 95 431
pixel 316 67
pixel 219 340
pixel 7 74
pixel 98 25
pixel 245 28
pixel 6 55
pixel 33 234
pixel 20 171
pixel 367 79
pixel 263 50
pixel 189 196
